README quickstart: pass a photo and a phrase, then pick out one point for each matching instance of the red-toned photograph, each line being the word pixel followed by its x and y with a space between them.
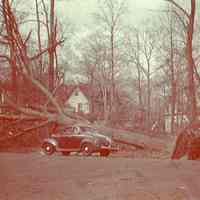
pixel 99 99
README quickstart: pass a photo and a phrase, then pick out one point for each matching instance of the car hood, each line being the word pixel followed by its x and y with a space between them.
pixel 99 135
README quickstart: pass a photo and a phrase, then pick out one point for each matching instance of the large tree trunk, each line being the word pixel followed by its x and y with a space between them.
pixel 105 104
pixel 51 50
pixel 136 139
pixel 148 97
pixel 38 34
pixel 192 104
pixel 190 64
pixel 183 139
pixel 13 57
pixel 173 82
pixel 139 73
pixel 112 102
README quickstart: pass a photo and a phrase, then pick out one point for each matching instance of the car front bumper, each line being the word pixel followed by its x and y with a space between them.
pixel 109 148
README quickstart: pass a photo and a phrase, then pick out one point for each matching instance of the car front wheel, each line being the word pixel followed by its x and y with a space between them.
pixel 48 148
pixel 87 149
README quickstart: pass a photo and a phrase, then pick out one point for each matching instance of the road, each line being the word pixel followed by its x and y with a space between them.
pixel 34 176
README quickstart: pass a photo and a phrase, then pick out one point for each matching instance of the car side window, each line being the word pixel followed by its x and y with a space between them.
pixel 65 130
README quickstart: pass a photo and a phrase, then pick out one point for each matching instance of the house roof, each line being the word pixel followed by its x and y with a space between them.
pixel 86 89
pixel 65 91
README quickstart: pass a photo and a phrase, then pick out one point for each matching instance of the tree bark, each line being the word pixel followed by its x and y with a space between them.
pixel 51 50
pixel 192 104
pixel 149 96
pixel 38 36
pixel 173 82
pixel 190 64
pixel 112 103
pixel 13 58
pixel 139 72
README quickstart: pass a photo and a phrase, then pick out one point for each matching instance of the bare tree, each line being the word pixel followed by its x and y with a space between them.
pixel 8 24
pixel 133 56
pixel 190 18
pixel 141 50
pixel 173 82
pixel 110 15
pixel 95 60
pixel 24 63
pixel 51 49
pixel 171 57
pixel 148 48
pixel 38 31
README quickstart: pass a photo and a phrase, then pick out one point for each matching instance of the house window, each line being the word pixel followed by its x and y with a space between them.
pixel 80 107
pixel 76 93
pixel 86 107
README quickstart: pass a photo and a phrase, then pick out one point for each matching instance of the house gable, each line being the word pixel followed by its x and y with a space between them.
pixel 78 101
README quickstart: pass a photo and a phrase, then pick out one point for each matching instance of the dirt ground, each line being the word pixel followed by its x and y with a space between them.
pixel 34 176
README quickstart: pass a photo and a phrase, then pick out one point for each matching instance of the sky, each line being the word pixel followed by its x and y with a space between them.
pixel 79 11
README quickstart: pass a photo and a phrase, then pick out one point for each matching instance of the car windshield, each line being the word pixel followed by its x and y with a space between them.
pixel 70 130
pixel 64 130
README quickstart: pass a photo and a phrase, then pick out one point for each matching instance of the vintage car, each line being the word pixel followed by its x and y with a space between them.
pixel 84 140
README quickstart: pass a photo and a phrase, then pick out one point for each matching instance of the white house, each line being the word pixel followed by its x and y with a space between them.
pixel 78 100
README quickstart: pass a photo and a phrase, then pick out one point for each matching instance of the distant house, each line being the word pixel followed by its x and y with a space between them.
pixel 89 101
pixel 78 100
pixel 75 98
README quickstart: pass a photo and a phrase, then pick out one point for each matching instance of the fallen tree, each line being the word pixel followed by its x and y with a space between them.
pixel 25 67
pixel 40 114
pixel 140 141
pixel 136 139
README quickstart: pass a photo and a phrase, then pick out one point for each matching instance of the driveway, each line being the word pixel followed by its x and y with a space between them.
pixel 34 176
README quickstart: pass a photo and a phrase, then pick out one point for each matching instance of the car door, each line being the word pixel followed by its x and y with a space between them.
pixel 63 141
pixel 64 137
pixel 74 141
pixel 70 140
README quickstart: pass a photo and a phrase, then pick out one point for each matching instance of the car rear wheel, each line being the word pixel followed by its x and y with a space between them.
pixel 87 149
pixel 48 148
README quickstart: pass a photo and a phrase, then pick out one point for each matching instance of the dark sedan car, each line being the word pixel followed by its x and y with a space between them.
pixel 79 139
